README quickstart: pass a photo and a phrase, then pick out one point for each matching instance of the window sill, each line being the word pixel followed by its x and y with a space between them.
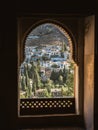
pixel 63 120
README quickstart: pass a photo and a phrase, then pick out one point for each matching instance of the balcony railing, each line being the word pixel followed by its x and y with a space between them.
pixel 46 106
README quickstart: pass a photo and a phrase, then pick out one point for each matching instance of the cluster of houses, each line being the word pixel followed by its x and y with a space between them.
pixel 50 57
pixel 55 92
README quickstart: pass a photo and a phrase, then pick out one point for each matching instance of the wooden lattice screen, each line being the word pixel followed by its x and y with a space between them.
pixel 47 106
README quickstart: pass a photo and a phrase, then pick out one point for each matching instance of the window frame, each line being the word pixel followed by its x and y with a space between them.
pixel 79 112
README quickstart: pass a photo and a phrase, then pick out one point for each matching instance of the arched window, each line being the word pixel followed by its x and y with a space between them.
pixel 47 71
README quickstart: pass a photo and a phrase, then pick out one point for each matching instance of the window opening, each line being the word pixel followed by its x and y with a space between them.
pixel 47 74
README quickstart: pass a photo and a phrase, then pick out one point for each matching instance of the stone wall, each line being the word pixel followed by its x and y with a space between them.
pixel 89 73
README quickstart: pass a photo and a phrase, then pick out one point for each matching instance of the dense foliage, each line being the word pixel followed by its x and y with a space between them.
pixel 60 84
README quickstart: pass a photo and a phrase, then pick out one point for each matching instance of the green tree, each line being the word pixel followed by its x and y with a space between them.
pixel 34 88
pixel 45 58
pixel 64 91
pixel 49 85
pixel 29 88
pixel 60 79
pixel 60 72
pixel 70 80
pixel 54 66
pixel 23 83
pixel 35 77
pixel 64 48
pixel 54 76
pixel 29 71
pixel 64 74
pixel 45 93
pixel 38 66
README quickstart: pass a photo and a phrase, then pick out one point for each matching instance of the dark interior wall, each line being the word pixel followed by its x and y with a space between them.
pixel 55 6
pixel 9 11
pixel 8 71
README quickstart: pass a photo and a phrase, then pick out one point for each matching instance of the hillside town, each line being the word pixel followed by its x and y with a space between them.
pixel 47 71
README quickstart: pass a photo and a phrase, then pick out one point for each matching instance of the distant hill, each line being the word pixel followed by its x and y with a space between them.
pixel 45 34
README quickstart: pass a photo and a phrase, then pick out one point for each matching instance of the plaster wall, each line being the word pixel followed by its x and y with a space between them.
pixel 89 73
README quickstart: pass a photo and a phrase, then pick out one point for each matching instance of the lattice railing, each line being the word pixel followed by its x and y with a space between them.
pixel 47 106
